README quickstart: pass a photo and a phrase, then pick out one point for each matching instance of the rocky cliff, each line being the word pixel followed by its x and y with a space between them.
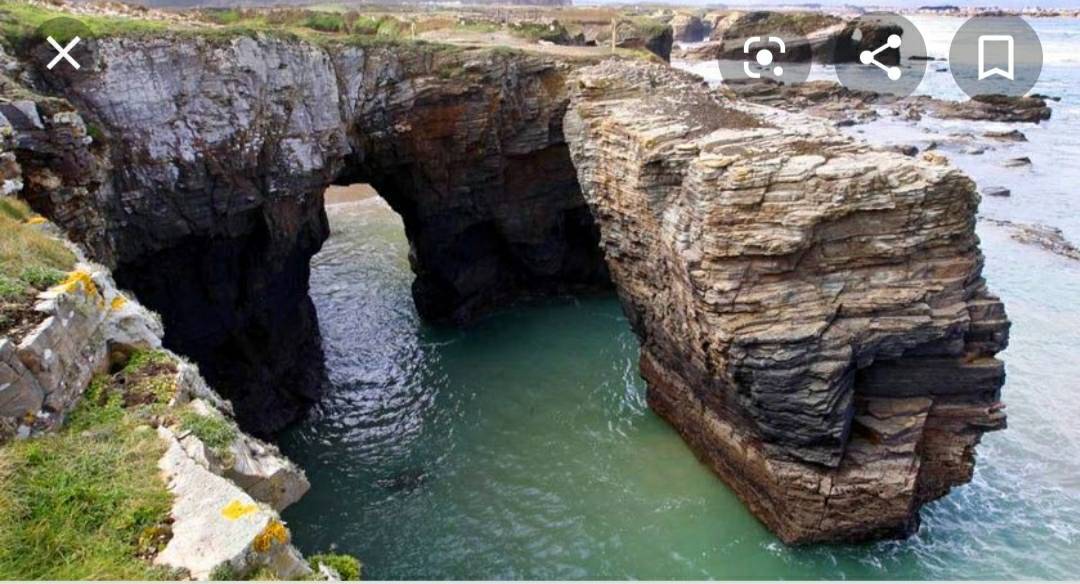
pixel 89 329
pixel 809 36
pixel 205 174
pixel 811 311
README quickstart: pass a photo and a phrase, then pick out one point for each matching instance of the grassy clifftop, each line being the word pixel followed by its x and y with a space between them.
pixel 19 20
pixel 30 262
pixel 88 502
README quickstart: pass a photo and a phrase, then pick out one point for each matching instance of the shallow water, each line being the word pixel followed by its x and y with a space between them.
pixel 521 447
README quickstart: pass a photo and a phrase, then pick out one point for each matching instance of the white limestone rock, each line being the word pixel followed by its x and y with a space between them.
pixel 219 526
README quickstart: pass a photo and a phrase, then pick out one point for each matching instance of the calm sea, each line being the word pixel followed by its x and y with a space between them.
pixel 521 447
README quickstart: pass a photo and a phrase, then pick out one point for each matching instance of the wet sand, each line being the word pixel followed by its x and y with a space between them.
pixel 336 195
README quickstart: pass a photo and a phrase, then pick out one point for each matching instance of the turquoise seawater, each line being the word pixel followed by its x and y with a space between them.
pixel 521 447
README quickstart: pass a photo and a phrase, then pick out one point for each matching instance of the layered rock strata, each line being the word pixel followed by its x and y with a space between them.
pixel 467 146
pixel 809 36
pixel 44 374
pixel 811 311
pixel 207 159
pixel 688 28
pixel 831 100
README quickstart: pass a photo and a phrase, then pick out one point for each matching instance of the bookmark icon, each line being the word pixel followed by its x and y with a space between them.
pixel 1010 47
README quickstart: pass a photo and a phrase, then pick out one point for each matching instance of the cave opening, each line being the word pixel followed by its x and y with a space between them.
pixel 428 431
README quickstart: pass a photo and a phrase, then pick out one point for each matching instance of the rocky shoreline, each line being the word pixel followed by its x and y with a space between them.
pixel 811 310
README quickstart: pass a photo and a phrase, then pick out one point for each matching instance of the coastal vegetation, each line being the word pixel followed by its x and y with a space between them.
pixel 20 22
pixel 213 429
pixel 30 261
pixel 88 501
pixel 348 567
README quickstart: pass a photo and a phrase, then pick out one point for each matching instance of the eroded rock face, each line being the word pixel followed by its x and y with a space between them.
pixel 811 36
pixel 688 28
pixel 211 175
pixel 217 151
pixel 43 375
pixel 468 148
pixel 811 311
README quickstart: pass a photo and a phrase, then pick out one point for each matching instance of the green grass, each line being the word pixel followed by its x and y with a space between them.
pixel 477 26
pixel 14 209
pixel 325 22
pixel 30 260
pixel 11 288
pixel 225 16
pixel 19 21
pixel 41 277
pixel 143 361
pixel 539 32
pixel 87 502
pixel 214 430
pixel 348 567
pixel 648 27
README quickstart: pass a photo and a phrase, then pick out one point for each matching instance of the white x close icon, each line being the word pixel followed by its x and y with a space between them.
pixel 62 53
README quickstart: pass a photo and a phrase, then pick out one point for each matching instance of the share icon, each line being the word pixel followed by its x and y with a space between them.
pixel 870 57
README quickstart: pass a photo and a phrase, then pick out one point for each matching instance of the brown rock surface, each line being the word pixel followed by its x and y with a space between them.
pixel 832 100
pixel 811 310
pixel 994 108
pixel 809 36
pixel 205 178
pixel 688 28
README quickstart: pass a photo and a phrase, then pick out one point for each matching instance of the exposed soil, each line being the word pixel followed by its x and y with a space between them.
pixel 18 318
pixel 136 390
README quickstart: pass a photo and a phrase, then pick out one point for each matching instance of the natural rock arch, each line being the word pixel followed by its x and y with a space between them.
pixel 812 314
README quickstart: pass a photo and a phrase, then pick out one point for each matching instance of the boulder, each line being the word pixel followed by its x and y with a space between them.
pixel 1007 136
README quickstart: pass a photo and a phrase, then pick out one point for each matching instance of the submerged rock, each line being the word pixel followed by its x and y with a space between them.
pixel 997 192
pixel 994 108
pixel 811 311
pixel 1049 238
pixel 1007 136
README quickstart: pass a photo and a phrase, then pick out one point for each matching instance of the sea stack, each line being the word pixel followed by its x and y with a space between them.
pixel 811 310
